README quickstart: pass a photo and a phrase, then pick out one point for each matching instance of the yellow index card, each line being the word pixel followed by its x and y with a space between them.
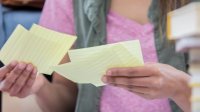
pixel 38 48
pixel 87 71
pixel 134 49
pixel 90 68
pixel 132 46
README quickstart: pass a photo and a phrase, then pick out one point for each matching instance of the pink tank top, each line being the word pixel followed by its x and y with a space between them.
pixel 58 15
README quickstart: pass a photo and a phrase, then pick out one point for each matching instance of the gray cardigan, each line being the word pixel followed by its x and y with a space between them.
pixel 90 24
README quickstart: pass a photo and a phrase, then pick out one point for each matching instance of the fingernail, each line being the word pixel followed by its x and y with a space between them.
pixel 29 68
pixel 2 85
pixel 35 71
pixel 22 66
pixel 104 79
pixel 109 73
pixel 13 63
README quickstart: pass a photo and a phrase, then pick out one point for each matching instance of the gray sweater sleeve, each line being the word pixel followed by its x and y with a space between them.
pixel 88 98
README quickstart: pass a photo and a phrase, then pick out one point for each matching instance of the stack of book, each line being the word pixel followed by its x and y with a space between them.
pixel 183 26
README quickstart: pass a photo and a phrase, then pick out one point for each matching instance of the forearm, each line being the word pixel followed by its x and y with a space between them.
pixel 183 102
pixel 59 95
pixel 55 97
pixel 182 98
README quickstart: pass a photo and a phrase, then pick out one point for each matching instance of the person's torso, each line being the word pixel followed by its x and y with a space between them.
pixel 118 29
pixel 119 100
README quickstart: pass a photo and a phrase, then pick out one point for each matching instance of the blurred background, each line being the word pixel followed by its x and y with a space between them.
pixel 14 12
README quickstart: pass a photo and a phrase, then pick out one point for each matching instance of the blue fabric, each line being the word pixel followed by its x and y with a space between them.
pixel 9 19
pixel 25 18
pixel 2 36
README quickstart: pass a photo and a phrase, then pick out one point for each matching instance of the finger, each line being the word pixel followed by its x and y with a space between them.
pixel 129 72
pixel 143 92
pixel 135 81
pixel 11 78
pixel 135 89
pixel 145 96
pixel 29 83
pixel 20 82
pixel 6 69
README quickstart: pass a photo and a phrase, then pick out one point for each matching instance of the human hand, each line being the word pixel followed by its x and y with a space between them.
pixel 151 81
pixel 17 78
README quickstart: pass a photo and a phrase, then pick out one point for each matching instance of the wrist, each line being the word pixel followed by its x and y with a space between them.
pixel 183 93
pixel 40 86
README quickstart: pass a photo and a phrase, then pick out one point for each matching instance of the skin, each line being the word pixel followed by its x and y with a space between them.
pixel 151 81
pixel 17 78
pixel 20 79
pixel 63 93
